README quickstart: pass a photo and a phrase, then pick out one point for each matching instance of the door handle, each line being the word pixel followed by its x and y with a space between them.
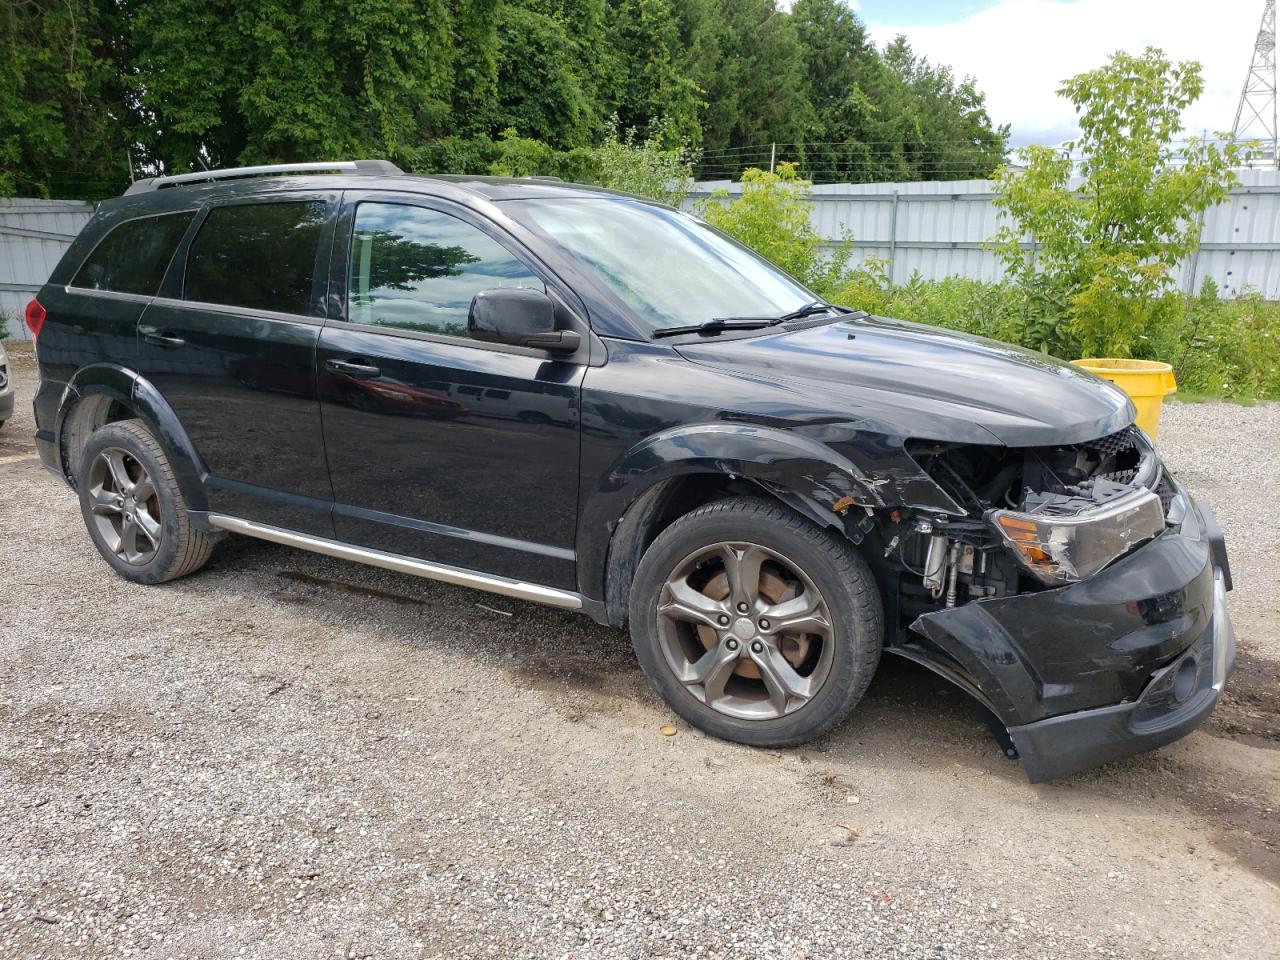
pixel 353 368
pixel 161 338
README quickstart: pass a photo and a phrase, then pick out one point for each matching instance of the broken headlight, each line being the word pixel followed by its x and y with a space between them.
pixel 1058 547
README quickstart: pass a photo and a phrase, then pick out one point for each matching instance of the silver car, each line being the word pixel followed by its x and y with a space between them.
pixel 6 388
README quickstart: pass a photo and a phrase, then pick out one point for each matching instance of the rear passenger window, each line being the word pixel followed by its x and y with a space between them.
pixel 133 257
pixel 257 255
pixel 417 269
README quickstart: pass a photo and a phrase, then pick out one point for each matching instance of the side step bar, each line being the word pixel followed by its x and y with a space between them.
pixel 534 592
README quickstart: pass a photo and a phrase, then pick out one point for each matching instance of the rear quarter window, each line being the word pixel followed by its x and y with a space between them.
pixel 261 256
pixel 133 256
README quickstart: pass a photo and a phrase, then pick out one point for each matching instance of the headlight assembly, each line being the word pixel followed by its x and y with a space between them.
pixel 1062 549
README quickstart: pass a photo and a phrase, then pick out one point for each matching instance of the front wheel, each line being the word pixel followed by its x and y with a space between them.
pixel 754 624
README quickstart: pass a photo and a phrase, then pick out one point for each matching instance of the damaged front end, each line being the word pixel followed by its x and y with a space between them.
pixel 1078 596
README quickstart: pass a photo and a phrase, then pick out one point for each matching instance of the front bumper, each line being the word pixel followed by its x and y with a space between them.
pixel 1176 701
pixel 6 404
pixel 1126 660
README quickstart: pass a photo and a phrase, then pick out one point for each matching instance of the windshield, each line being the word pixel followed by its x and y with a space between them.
pixel 668 267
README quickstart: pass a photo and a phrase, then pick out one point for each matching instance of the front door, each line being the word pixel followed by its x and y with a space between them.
pixel 441 447
pixel 230 344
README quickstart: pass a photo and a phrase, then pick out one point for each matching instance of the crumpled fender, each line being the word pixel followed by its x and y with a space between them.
pixel 810 476
pixel 140 395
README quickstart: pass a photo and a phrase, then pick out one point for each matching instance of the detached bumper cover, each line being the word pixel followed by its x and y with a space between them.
pixel 1126 660
pixel 1178 698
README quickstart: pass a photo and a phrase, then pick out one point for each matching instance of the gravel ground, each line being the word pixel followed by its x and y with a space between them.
pixel 291 756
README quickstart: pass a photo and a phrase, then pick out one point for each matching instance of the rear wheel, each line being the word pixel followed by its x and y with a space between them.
pixel 754 624
pixel 133 508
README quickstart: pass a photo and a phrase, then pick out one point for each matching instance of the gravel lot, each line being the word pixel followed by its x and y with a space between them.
pixel 291 756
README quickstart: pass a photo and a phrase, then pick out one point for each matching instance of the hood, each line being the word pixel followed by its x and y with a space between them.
pixel 912 380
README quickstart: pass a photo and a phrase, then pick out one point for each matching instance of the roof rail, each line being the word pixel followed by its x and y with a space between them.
pixel 374 168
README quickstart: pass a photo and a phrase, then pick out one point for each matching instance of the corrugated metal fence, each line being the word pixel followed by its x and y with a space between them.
pixel 940 229
pixel 936 229
pixel 33 236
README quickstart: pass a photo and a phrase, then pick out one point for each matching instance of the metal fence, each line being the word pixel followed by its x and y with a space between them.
pixel 33 236
pixel 941 229
pixel 936 229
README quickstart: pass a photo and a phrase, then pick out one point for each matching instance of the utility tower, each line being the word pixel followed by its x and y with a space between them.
pixel 1256 115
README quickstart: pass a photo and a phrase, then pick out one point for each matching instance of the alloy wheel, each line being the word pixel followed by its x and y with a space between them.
pixel 126 509
pixel 745 630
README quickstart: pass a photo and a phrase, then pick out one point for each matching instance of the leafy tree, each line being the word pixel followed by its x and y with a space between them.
pixel 839 64
pixel 645 38
pixel 941 130
pixel 221 83
pixel 475 43
pixel 1106 244
pixel 89 86
pixel 541 92
pixel 62 106
pixel 771 216
pixel 521 156
pixel 755 94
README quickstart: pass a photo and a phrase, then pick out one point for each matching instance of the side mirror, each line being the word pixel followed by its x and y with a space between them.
pixel 525 318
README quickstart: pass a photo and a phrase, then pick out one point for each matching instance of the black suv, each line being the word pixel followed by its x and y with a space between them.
pixel 593 401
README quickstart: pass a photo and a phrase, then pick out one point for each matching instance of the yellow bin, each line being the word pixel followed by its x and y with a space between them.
pixel 1147 382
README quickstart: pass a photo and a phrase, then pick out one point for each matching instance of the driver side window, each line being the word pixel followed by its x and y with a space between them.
pixel 417 269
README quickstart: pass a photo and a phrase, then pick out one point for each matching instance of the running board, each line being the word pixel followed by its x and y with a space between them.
pixel 458 576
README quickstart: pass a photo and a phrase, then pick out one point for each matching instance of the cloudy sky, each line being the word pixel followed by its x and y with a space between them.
pixel 1019 50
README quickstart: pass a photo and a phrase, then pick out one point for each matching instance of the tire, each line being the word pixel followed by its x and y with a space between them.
pixel 173 547
pixel 751 533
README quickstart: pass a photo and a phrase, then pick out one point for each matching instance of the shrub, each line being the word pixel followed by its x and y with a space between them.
pixel 659 167
pixel 521 157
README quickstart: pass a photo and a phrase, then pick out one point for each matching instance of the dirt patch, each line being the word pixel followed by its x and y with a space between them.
pixel 1250 704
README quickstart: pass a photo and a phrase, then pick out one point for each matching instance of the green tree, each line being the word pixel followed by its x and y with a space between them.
pixel 650 81
pixel 221 83
pixel 63 116
pixel 541 92
pixel 475 42
pixel 1106 242
pixel 840 63
pixel 755 94
pixel 936 125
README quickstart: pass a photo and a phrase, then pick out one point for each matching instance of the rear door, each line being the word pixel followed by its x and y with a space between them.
pixel 231 347
pixel 441 447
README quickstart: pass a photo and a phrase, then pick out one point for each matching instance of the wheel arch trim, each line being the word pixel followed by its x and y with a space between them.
pixel 140 396
pixel 805 475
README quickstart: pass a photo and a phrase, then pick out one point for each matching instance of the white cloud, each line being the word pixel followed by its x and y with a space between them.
pixel 1020 50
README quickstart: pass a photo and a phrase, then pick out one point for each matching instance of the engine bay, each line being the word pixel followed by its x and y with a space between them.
pixel 1032 517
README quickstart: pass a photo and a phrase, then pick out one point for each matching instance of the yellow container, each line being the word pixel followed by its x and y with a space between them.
pixel 1147 382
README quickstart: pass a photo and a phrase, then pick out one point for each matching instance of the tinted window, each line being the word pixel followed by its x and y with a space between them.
pixel 133 257
pixel 417 269
pixel 259 255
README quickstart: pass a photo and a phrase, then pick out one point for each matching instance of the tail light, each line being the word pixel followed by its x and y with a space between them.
pixel 35 318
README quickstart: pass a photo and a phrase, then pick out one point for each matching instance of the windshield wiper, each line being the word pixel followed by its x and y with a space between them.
pixel 808 310
pixel 716 324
